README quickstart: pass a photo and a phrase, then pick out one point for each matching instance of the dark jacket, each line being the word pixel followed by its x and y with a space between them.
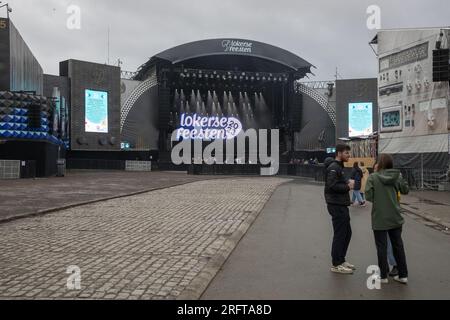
pixel 357 176
pixel 336 188
pixel 382 190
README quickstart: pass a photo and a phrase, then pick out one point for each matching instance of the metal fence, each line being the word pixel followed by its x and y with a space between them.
pixel 427 179
pixel 418 179
pixel 9 169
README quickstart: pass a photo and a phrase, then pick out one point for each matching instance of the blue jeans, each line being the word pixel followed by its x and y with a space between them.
pixel 390 253
pixel 357 196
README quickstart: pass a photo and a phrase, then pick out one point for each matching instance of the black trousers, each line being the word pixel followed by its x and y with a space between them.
pixel 397 248
pixel 342 233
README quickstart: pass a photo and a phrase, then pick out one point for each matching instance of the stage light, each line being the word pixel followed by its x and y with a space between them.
pixel 252 78
pixel 264 78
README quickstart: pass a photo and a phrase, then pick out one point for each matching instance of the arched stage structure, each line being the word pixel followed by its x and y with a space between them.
pixel 253 81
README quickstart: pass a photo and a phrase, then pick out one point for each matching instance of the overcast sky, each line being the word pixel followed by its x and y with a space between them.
pixel 327 33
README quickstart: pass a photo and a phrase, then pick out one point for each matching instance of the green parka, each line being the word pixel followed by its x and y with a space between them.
pixel 382 190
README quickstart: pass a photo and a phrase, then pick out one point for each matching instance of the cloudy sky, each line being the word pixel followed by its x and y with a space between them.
pixel 327 33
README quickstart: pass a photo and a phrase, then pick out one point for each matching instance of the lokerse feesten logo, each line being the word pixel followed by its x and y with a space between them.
pixel 208 128
pixel 237 46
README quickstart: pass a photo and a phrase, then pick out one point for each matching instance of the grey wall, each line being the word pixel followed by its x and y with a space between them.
pixel 86 75
pixel 4 55
pixel 19 69
pixel 51 81
pixel 26 72
pixel 353 91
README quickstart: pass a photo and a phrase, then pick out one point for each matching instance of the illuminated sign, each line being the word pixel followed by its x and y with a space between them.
pixel 391 119
pixel 208 128
pixel 331 150
pixel 360 119
pixel 125 145
pixel 96 111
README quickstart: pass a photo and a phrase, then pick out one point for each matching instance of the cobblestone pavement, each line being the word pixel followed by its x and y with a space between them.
pixel 164 244
pixel 24 197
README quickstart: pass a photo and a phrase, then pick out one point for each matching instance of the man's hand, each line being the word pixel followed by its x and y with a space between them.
pixel 351 184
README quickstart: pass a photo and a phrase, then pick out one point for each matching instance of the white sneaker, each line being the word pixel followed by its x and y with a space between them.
pixel 384 281
pixel 341 269
pixel 401 280
pixel 349 265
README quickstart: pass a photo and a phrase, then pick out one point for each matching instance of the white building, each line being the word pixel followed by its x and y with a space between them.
pixel 413 110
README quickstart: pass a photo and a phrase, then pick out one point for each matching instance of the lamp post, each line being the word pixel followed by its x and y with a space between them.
pixel 8 9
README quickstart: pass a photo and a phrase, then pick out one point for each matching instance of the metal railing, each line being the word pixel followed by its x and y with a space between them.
pixel 127 74
pixel 426 179
pixel 318 84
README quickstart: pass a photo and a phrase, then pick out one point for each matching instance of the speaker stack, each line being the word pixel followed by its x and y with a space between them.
pixel 441 65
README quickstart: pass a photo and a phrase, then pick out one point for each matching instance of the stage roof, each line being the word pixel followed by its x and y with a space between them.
pixel 241 54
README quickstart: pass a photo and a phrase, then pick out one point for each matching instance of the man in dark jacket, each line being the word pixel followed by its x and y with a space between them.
pixel 337 189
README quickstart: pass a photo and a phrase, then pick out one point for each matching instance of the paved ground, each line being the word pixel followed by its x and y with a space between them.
pixel 28 196
pixel 431 205
pixel 164 244
pixel 286 255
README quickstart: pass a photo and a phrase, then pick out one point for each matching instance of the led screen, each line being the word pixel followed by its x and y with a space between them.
pixel 391 119
pixel 96 107
pixel 360 119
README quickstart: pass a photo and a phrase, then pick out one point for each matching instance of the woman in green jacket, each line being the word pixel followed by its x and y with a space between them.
pixel 382 190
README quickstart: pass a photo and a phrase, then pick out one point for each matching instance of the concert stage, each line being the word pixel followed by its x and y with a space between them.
pixel 250 81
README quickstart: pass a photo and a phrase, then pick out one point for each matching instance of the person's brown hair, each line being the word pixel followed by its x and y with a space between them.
pixel 385 161
pixel 342 147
